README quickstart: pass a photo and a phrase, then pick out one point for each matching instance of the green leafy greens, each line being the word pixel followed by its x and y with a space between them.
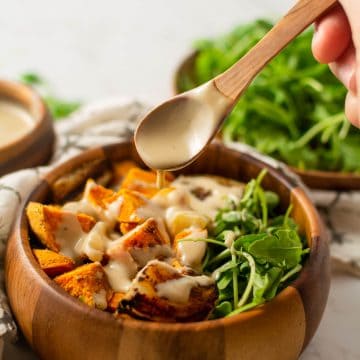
pixel 293 110
pixel 59 108
pixel 252 252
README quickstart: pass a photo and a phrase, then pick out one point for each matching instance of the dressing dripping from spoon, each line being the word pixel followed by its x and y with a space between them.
pixel 175 133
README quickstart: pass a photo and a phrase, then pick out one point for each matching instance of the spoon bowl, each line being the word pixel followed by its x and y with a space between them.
pixel 176 132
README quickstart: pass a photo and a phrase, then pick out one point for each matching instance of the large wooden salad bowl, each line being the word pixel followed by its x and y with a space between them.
pixel 58 326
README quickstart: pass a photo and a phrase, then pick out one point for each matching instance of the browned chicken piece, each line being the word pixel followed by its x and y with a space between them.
pixel 161 293
pixel 53 263
pixel 89 284
pixel 46 219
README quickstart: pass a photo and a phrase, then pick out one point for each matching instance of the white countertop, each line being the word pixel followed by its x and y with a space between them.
pixel 91 50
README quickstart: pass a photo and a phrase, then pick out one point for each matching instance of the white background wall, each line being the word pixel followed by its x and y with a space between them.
pixel 91 48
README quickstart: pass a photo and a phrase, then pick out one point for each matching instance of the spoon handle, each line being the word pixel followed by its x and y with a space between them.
pixel 235 80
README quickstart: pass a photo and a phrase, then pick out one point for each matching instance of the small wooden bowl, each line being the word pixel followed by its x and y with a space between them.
pixel 315 179
pixel 36 146
pixel 60 327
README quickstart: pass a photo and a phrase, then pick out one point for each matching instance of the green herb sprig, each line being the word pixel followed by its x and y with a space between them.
pixel 252 253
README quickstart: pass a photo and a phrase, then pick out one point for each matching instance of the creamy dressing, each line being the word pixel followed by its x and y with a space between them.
pixel 15 122
pixel 178 290
pixel 187 206
pixel 192 252
pixel 94 243
pixel 108 215
pixel 99 299
pixel 160 179
pixel 217 194
pixel 68 234
pixel 121 272
pixel 175 132
pixel 143 255
pixel 229 238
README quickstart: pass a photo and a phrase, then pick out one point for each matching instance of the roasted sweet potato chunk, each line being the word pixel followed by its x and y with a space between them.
pixel 120 170
pixel 115 300
pixel 52 263
pixel 146 242
pixel 45 220
pixel 143 181
pixel 131 202
pixel 145 235
pixel 89 284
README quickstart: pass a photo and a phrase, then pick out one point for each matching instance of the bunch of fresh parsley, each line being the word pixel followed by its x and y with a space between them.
pixel 293 110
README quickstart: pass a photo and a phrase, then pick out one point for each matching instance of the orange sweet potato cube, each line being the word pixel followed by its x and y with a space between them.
pixel 143 181
pixel 131 202
pixel 145 235
pixel 53 263
pixel 97 194
pixel 89 284
pixel 126 227
pixel 44 220
pixel 114 301
pixel 147 241
pixel 120 170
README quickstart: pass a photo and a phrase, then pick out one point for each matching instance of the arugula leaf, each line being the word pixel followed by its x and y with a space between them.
pixel 292 111
pixel 265 254
pixel 282 249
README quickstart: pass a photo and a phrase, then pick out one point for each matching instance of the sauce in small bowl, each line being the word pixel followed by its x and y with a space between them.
pixel 26 128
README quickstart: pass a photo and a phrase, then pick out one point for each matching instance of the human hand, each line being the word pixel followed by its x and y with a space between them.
pixel 337 43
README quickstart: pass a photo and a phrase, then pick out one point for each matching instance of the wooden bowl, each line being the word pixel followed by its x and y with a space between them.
pixel 60 327
pixel 315 179
pixel 35 146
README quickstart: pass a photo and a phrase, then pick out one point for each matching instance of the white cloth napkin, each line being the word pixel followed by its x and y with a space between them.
pixel 114 120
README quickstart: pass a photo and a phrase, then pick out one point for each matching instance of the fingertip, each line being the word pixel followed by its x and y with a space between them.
pixel 332 36
pixel 352 109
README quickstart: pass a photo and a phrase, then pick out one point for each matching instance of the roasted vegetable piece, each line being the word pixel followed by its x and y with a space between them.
pixel 52 263
pixel 131 202
pixel 114 301
pixel 98 194
pixel 143 181
pixel 146 242
pixel 161 293
pixel 89 284
pixel 46 219
pixel 120 169
pixel 126 227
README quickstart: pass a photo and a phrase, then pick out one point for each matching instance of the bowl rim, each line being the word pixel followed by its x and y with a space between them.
pixel 343 180
pixel 30 101
pixel 22 228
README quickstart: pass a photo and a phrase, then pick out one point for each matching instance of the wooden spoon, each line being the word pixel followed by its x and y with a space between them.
pixel 175 133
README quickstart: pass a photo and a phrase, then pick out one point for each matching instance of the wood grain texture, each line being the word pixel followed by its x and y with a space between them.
pixel 60 327
pixel 36 146
pixel 233 82
pixel 314 281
